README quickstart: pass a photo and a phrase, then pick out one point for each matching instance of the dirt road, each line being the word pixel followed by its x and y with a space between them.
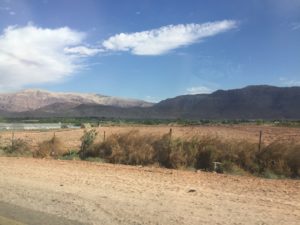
pixel 95 193
pixel 15 215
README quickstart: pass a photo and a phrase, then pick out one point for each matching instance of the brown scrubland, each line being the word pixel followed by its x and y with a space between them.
pixel 166 178
pixel 235 148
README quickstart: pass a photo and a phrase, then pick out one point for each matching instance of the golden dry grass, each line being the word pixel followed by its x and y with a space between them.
pixel 71 138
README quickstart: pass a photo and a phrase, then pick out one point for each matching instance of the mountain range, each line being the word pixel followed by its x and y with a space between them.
pixel 32 99
pixel 251 102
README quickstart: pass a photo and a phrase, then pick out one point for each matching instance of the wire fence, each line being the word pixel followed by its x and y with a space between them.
pixel 34 138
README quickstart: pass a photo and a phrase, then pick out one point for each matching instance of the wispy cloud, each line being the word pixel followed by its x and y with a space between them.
pixel 34 55
pixel 198 90
pixel 4 8
pixel 289 82
pixel 8 10
pixel 164 39
pixel 149 98
pixel 83 51
pixel 296 26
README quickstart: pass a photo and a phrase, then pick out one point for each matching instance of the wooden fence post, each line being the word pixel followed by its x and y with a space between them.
pixel 170 136
pixel 53 150
pixel 12 140
pixel 259 143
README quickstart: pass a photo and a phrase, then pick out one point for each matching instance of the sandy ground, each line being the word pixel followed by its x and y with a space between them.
pixel 96 193
pixel 71 138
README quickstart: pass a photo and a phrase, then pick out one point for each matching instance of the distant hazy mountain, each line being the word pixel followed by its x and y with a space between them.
pixel 31 99
pixel 252 102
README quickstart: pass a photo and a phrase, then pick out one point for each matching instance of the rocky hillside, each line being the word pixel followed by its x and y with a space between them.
pixel 252 102
pixel 31 99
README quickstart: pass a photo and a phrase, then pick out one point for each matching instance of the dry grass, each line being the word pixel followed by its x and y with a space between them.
pixel 236 147
pixel 17 147
pixel 279 158
pixel 50 148
pixel 250 133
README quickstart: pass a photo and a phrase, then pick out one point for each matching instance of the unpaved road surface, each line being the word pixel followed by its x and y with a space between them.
pixel 15 215
pixel 95 193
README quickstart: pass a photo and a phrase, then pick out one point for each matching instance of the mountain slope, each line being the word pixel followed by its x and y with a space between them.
pixel 252 102
pixel 28 100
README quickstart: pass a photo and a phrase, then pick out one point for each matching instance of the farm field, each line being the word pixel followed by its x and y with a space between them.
pixel 99 193
pixel 71 137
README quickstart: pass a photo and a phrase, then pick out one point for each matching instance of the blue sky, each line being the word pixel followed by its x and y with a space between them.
pixel 151 49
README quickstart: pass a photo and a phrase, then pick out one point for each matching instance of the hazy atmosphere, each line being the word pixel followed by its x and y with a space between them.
pixel 149 50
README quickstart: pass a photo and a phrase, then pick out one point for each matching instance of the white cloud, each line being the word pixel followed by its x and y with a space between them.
pixel 83 51
pixel 164 39
pixel 199 90
pixel 33 55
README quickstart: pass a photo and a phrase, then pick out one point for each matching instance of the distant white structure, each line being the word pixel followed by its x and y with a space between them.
pixel 29 126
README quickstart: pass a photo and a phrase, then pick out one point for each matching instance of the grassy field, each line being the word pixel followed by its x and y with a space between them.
pixel 236 147
pixel 71 137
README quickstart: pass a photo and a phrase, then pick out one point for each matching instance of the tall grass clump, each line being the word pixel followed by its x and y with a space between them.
pixel 277 159
pixel 132 148
pixel 17 147
pixel 182 153
pixel 280 158
pixel 50 148
pixel 87 141
pixel 128 148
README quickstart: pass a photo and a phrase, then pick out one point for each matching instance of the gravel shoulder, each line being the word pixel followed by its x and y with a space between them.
pixel 96 193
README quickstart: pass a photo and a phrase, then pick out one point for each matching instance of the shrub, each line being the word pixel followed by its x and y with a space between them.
pixel 269 174
pixel 232 168
pixel 18 147
pixel 277 159
pixel 273 158
pixel 50 148
pixel 180 154
pixel 129 148
pixel 293 161
pixel 206 156
pixel 244 154
pixel 70 155
pixel 87 141
pixel 162 150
